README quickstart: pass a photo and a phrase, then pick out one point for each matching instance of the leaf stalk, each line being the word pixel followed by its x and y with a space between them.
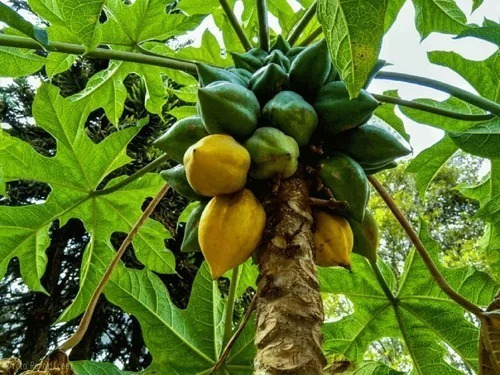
pixel 228 323
pixel 431 109
pixel 89 311
pixel 431 266
pixel 100 53
pixel 141 172
pixel 478 101
pixel 302 24
pixel 263 24
pixel 236 25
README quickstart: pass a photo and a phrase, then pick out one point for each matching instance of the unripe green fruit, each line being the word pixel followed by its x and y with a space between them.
pixel 177 180
pixel 277 57
pixel 228 108
pixel 272 152
pixel 366 237
pixel 289 112
pixel 208 74
pixel 337 112
pixel 247 61
pixel 244 74
pixel 268 81
pixel 281 44
pixel 190 240
pixel 372 145
pixel 347 181
pixel 309 70
pixel 294 52
pixel 180 136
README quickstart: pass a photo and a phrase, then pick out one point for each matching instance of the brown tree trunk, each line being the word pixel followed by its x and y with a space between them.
pixel 289 308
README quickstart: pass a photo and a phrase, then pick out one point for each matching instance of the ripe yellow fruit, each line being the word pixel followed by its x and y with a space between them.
pixel 230 229
pixel 333 240
pixel 216 164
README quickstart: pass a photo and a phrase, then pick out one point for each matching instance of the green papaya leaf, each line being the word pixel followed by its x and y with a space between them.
pixel 476 4
pixel 482 75
pixel 15 20
pixel 82 24
pixel 482 140
pixel 194 335
pixel 354 33
pixel 427 164
pixel 17 62
pixel 443 16
pixel 442 122
pixel 77 169
pixel 417 305
pixel 489 32
pixel 393 9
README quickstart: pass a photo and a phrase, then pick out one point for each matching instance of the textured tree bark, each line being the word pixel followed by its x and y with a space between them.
pixel 289 307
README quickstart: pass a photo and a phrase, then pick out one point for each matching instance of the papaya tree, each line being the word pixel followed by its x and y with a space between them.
pixel 277 146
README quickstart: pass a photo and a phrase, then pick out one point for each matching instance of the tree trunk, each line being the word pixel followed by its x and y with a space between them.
pixel 289 308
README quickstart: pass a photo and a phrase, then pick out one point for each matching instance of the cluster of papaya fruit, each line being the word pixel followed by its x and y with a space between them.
pixel 266 116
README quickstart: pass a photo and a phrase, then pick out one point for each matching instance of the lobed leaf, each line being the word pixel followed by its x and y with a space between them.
pixel 353 30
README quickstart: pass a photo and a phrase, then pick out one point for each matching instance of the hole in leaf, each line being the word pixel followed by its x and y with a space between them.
pixel 391 352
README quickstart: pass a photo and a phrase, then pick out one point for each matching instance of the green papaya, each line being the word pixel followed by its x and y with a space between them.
pixel 347 181
pixel 245 75
pixel 289 112
pixel 333 75
pixel 376 68
pixel 208 74
pixel 279 58
pixel 180 136
pixel 369 170
pixel 268 81
pixel 257 52
pixel 336 112
pixel 190 240
pixel 246 61
pixel 294 52
pixel 281 44
pixel 366 237
pixel 372 145
pixel 226 107
pixel 177 180
pixel 272 152
pixel 310 69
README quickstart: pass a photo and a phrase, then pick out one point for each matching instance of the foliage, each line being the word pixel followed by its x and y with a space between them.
pixel 76 171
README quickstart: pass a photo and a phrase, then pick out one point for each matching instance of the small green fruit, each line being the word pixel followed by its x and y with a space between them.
pixel 289 112
pixel 366 237
pixel 272 152
pixel 309 70
pixel 177 180
pixel 337 112
pixel 268 81
pixel 190 240
pixel 208 74
pixel 180 136
pixel 228 108
pixel 347 181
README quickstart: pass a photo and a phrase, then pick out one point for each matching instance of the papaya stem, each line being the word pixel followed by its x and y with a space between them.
pixel 302 24
pixel 74 339
pixel 234 337
pixel 228 322
pixel 100 53
pixel 309 39
pixel 431 266
pixel 236 25
pixel 147 168
pixel 332 204
pixel 478 101
pixel 431 109
pixel 263 24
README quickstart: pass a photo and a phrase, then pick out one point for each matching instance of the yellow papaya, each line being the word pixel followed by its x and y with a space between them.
pixel 333 240
pixel 216 164
pixel 230 229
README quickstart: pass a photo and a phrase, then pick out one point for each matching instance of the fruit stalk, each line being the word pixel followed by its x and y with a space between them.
pixel 289 307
